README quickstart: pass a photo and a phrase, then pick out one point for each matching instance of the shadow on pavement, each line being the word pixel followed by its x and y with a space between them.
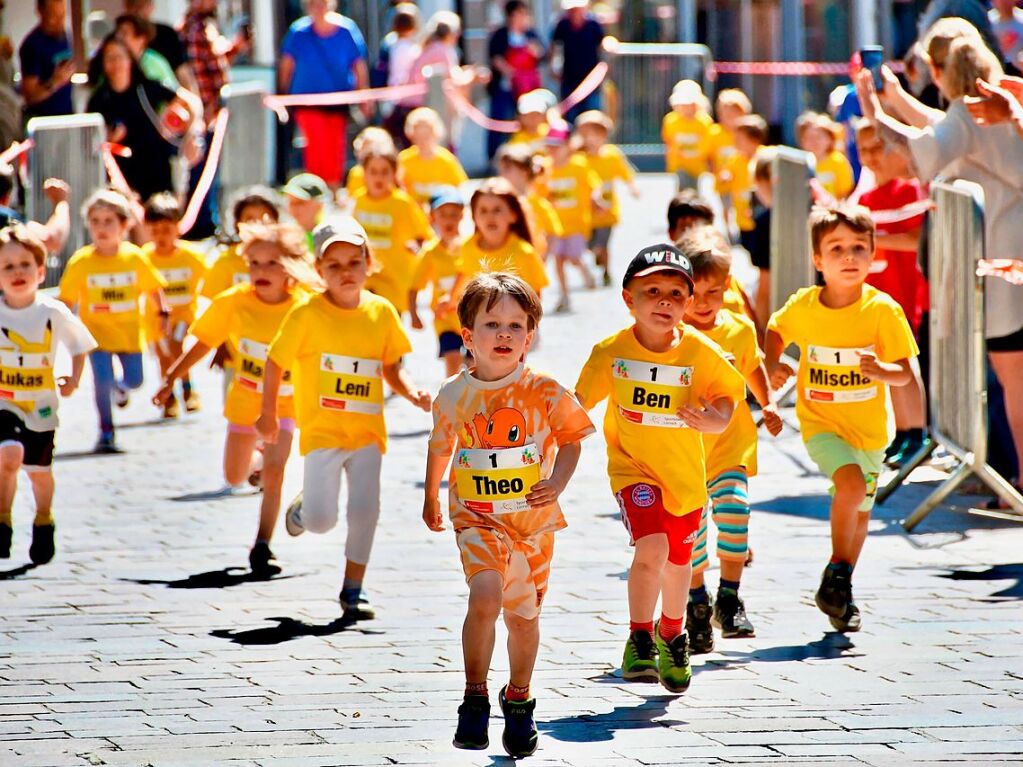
pixel 288 629
pixel 831 646
pixel 1008 572
pixel 17 572
pixel 81 455
pixel 408 434
pixel 590 728
pixel 214 495
pixel 213 579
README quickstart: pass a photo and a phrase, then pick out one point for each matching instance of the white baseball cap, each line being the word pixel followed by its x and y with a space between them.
pixel 568 5
pixel 686 92
pixel 338 229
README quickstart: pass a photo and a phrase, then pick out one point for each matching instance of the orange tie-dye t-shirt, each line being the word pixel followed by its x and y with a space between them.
pixel 503 437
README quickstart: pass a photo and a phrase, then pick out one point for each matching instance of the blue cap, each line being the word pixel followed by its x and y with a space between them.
pixel 446 195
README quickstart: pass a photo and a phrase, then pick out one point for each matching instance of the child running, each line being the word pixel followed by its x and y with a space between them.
pixel 731 456
pixel 307 196
pixel 523 168
pixel 183 269
pixel 854 342
pixel 667 386
pixel 341 345
pixel 356 181
pixel 517 435
pixel 834 171
pixel 105 281
pixel 425 166
pixel 32 327
pixel 440 265
pixel 248 317
pixel 686 132
pixel 532 118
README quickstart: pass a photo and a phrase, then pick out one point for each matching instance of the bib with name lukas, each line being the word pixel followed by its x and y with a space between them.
pixel 650 394
pixel 833 375
pixel 351 384
pixel 497 481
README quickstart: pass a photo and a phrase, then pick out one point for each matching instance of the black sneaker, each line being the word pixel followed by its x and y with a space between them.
pixel 6 533
pixel 701 633
pixel 42 549
pixel 262 561
pixel 356 607
pixel 850 622
pixel 896 446
pixel 730 616
pixel 473 723
pixel 520 736
pixel 106 445
pixel 835 592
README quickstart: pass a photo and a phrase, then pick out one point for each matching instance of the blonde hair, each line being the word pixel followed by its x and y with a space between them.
pixel 942 34
pixel 291 244
pixel 832 128
pixel 371 135
pixel 108 198
pixel 424 115
pixel 968 58
pixel 733 97
pixel 595 117
pixel 23 237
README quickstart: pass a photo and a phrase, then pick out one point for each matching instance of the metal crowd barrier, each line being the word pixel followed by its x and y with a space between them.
pixel 640 80
pixel 66 147
pixel 245 160
pixel 958 387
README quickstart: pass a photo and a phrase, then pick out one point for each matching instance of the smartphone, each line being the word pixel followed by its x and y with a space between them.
pixel 61 57
pixel 872 57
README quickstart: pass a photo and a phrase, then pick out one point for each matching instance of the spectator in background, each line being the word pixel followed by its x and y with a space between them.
pixel 55 231
pixel 137 34
pixel 47 63
pixel 401 49
pixel 324 52
pixel 577 36
pixel 10 102
pixel 515 52
pixel 1007 25
pixel 165 41
pixel 974 11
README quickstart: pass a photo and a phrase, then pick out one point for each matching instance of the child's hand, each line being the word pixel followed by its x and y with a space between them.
pixel 543 493
pixel 220 357
pixel 772 421
pixel 67 385
pixel 422 399
pixel 781 373
pixel 706 419
pixel 164 393
pixel 56 190
pixel 413 317
pixel 268 428
pixel 869 366
pixel 432 515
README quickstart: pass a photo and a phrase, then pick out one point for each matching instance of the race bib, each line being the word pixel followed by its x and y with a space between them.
pixel 115 293
pixel 179 286
pixel 562 192
pixel 251 368
pixel 651 394
pixel 496 481
pixel 351 384
pixel 834 375
pixel 26 378
pixel 378 228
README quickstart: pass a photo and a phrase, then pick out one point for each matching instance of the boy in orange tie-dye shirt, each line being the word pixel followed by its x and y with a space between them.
pixel 516 437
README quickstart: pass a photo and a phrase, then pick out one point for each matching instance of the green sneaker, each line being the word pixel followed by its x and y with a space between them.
pixel 639 664
pixel 673 668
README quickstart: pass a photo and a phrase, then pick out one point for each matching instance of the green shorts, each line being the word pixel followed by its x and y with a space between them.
pixel 830 452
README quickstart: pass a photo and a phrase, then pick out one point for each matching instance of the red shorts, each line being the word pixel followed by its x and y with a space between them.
pixel 325 142
pixel 643 514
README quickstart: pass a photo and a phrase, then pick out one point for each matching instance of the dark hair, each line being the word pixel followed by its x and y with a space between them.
pixel 754 126
pixel 162 206
pixel 522 156
pixel 405 20
pixel 255 195
pixel 19 234
pixel 373 150
pixel 137 76
pixel 501 187
pixel 6 180
pixel 484 291
pixel 141 27
pixel 824 220
pixel 514 6
pixel 688 204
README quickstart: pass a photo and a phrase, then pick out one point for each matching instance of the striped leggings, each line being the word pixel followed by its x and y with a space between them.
pixel 729 499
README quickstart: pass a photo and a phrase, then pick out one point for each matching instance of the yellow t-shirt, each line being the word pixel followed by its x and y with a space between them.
pixel 570 189
pixel 535 139
pixel 107 291
pixel 737 444
pixel 183 271
pixel 336 357
pixel 421 177
pixel 238 317
pixel 396 226
pixel 836 175
pixel 515 256
pixel 356 181
pixel 610 164
pixel 738 171
pixel 646 441
pixel 733 300
pixel 228 270
pixel 722 149
pixel 439 266
pixel 834 397
pixel 687 142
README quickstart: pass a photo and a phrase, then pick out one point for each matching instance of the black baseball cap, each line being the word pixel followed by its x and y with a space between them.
pixel 659 258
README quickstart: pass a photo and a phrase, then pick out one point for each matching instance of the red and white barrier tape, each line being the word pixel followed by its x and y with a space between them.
pixel 786 68
pixel 209 172
pixel 280 103
pixel 15 150
pixel 1009 269
pixel 905 213
pixel 117 179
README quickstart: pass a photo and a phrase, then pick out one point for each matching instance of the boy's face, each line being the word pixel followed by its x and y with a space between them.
pixel 344 268
pixel 305 212
pixel 728 114
pixel 500 335
pixel 593 136
pixel 446 220
pixel 708 298
pixel 163 234
pixel 687 111
pixel 254 214
pixel 818 140
pixel 844 257
pixel 871 150
pixel 530 121
pixel 423 135
pixel 20 276
pixel 266 272
pixel 106 228
pixel 658 301
pixel 379 177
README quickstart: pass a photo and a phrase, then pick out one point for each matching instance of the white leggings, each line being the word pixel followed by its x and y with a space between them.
pixel 321 491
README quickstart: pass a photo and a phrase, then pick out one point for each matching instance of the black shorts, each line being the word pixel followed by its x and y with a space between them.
pixel 449 341
pixel 38 445
pixel 1010 343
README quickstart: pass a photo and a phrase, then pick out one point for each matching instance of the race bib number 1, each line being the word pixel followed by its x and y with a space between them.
pixel 351 384
pixel 834 375
pixel 651 394
pixel 496 481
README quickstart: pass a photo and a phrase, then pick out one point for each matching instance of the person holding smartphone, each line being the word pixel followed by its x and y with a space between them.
pixel 47 63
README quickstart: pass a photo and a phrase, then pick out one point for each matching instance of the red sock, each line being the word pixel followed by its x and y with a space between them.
pixel 648 627
pixel 512 692
pixel 669 628
pixel 476 688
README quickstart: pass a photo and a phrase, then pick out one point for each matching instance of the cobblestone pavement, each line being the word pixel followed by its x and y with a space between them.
pixel 146 643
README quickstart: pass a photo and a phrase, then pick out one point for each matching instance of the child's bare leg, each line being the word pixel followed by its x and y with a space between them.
pixel 559 264
pixel 675 590
pixel 648 560
pixel 523 644
pixel 452 362
pixel 42 491
pixel 275 457
pixel 10 463
pixel 862 523
pixel 731 570
pixel 486 590
pixel 238 449
pixel 850 492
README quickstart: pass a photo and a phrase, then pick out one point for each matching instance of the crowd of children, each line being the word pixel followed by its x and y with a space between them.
pixel 306 319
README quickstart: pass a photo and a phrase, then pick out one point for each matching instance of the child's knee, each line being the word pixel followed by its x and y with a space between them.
pixel 11 457
pixel 650 554
pixel 850 484
pixel 518 625
pixel 318 518
pixel 486 594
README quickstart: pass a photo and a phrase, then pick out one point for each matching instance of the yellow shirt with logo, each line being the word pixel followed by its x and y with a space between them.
pixel 571 189
pixel 336 357
pixel 834 397
pixel 646 441
pixel 440 266
pixel 229 269
pixel 239 317
pixel 836 175
pixel 421 177
pixel 516 256
pixel 396 226
pixel 687 142
pixel 183 270
pixel 107 291
pixel 611 165
pixel 737 444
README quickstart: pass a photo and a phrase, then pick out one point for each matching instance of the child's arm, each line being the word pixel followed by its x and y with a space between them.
pixel 758 384
pixel 267 425
pixel 436 466
pixel 897 373
pixel 413 312
pixel 712 418
pixel 778 372
pixel 178 370
pixel 399 380
pixel 158 298
pixel 900 240
pixel 68 384
pixel 546 491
